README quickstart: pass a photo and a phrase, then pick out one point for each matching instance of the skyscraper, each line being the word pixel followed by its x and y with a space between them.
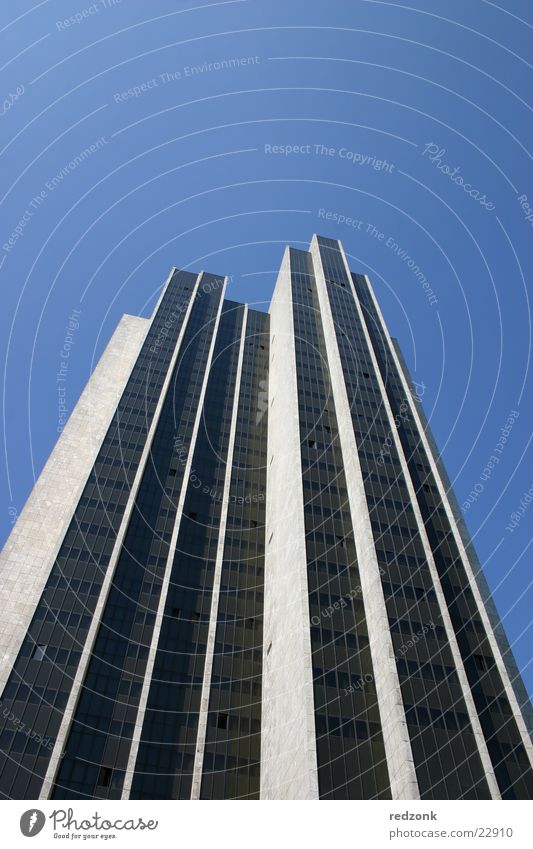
pixel 243 574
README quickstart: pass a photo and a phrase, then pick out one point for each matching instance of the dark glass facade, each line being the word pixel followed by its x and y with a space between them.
pixel 233 741
pixel 165 759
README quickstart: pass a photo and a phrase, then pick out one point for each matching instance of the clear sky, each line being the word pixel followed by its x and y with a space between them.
pixel 136 136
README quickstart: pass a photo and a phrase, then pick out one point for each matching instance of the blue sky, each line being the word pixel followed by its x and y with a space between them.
pixel 217 133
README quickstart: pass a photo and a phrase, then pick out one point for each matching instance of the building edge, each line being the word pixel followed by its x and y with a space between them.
pixel 514 674
pixel 32 547
pixel 62 736
pixel 400 761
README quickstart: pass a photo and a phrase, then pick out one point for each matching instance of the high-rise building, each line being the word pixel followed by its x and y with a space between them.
pixel 243 574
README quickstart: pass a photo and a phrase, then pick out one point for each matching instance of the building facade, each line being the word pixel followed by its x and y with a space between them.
pixel 243 574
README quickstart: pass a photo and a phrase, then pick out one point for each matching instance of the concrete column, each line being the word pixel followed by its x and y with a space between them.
pixel 288 737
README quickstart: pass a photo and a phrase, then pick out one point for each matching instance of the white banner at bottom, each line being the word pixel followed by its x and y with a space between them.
pixel 237 824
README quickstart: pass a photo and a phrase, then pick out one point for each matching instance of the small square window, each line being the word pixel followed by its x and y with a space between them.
pixel 222 720
pixel 104 776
